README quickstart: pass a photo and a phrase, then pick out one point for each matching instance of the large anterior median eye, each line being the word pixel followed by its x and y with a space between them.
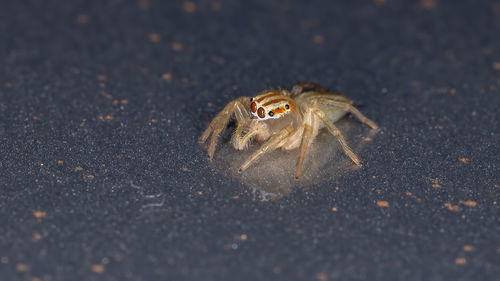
pixel 253 107
pixel 261 112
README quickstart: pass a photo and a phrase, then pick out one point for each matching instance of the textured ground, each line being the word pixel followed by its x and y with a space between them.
pixel 102 178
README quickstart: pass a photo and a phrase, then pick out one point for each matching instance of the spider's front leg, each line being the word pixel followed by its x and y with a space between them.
pixel 220 121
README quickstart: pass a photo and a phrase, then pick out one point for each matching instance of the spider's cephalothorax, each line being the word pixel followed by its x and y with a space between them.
pixel 271 104
pixel 286 119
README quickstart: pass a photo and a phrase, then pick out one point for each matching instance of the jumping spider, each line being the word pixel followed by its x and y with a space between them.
pixel 286 119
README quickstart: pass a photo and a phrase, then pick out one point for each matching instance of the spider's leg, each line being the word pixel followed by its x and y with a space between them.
pixel 293 141
pixel 336 132
pixel 268 146
pixel 349 108
pixel 242 118
pixel 218 124
pixel 307 137
pixel 203 138
pixel 300 87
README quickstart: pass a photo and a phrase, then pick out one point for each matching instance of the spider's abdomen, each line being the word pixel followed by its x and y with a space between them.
pixel 312 95
pixel 314 98
pixel 271 105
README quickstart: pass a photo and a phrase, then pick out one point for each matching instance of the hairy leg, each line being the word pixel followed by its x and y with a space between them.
pixel 349 108
pixel 268 146
pixel 294 140
pixel 220 121
pixel 310 125
pixel 336 132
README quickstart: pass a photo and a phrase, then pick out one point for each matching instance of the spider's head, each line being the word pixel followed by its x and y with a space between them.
pixel 271 104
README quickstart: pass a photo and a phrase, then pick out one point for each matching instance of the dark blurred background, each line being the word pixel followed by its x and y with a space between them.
pixel 102 178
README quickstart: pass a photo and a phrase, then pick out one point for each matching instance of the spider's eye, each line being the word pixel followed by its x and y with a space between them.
pixel 261 113
pixel 271 113
pixel 287 106
pixel 253 107
pixel 251 99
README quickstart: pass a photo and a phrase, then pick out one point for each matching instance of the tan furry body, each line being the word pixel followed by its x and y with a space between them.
pixel 286 119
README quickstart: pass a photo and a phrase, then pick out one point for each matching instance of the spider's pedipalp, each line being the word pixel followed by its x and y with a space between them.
pixel 240 142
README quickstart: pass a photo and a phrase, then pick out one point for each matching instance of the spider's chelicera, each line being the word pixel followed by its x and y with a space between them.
pixel 286 119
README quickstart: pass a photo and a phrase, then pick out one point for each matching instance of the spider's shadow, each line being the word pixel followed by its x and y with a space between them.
pixel 274 173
